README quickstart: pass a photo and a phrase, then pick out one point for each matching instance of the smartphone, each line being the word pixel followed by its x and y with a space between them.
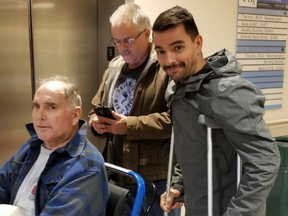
pixel 104 111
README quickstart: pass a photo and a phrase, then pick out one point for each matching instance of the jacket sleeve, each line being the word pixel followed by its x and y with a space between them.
pixel 5 183
pixel 87 195
pixel 177 180
pixel 97 101
pixel 155 123
pixel 10 177
pixel 239 110
pixel 152 126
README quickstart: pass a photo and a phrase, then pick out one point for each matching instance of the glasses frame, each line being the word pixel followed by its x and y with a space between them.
pixel 127 41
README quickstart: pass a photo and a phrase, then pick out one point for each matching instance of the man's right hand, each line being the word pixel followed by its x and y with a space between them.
pixel 99 126
pixel 167 206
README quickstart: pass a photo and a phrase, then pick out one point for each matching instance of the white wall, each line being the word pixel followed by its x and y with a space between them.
pixel 216 21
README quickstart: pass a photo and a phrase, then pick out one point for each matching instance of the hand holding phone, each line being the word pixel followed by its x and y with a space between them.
pixel 104 111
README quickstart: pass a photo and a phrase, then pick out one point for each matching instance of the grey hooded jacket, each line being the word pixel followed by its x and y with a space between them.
pixel 219 91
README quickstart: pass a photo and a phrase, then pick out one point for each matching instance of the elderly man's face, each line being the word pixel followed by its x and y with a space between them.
pixel 55 122
pixel 135 53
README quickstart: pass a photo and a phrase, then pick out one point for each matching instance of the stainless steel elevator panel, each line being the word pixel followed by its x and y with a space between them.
pixel 70 37
pixel 67 36
pixel 104 33
pixel 15 79
pixel 65 42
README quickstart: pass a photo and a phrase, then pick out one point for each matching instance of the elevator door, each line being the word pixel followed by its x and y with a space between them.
pixel 15 79
pixel 65 39
pixel 65 42
pixel 71 38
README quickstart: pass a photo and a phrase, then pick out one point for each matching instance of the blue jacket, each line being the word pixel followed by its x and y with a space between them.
pixel 74 181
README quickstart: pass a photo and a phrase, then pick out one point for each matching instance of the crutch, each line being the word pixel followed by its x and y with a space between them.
pixel 211 124
pixel 170 164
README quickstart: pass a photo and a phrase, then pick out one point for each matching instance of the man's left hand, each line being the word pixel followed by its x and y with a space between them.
pixel 117 126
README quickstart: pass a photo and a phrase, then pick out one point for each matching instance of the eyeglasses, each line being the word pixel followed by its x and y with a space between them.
pixel 127 41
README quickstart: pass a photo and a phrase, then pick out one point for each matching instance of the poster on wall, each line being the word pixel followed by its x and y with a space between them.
pixel 261 45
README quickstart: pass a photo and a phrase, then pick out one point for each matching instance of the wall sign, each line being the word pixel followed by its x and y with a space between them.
pixel 261 45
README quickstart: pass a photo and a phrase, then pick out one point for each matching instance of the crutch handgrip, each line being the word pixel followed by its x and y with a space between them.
pixel 207 121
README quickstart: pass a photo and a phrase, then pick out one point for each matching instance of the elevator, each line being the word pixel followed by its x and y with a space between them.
pixel 43 37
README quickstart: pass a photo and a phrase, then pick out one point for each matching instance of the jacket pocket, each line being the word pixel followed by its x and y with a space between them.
pixel 153 152
pixel 225 152
pixel 46 186
pixel 16 166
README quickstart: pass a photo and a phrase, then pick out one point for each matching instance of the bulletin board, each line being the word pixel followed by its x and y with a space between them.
pixel 261 45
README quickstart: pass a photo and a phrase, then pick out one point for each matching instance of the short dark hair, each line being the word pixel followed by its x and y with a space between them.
pixel 173 17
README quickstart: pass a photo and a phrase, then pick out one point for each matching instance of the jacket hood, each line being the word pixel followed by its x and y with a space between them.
pixel 224 63
pixel 220 64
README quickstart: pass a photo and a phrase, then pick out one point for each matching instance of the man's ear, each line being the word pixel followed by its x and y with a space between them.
pixel 147 34
pixel 77 114
pixel 199 42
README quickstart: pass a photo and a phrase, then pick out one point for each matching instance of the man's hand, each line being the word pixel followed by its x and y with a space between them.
pixel 102 125
pixel 172 195
pixel 99 125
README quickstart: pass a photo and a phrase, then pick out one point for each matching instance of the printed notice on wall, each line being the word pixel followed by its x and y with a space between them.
pixel 261 45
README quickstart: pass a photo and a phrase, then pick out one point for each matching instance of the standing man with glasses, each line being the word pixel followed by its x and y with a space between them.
pixel 134 86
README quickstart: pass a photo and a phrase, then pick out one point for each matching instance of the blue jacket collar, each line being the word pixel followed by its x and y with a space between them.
pixel 74 147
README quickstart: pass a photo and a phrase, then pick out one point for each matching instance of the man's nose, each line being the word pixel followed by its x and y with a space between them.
pixel 170 58
pixel 41 114
pixel 122 46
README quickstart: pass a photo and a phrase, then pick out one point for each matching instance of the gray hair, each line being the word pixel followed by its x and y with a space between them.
pixel 131 12
pixel 71 91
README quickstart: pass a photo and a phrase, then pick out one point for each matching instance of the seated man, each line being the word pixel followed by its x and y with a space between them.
pixel 57 171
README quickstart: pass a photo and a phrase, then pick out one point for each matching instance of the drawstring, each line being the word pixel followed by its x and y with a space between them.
pixel 156 74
